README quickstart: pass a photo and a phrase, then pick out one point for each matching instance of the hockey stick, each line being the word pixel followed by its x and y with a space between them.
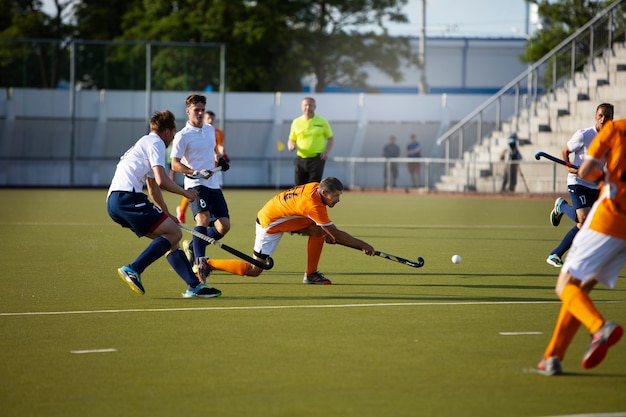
pixel 201 175
pixel 241 255
pixel 415 264
pixel 555 159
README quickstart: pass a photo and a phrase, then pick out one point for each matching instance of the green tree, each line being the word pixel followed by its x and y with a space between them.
pixel 559 19
pixel 274 44
pixel 26 63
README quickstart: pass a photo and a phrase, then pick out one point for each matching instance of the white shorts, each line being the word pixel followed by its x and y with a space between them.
pixel 265 243
pixel 594 255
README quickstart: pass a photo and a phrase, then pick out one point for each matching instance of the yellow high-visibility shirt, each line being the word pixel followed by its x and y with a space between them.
pixel 310 135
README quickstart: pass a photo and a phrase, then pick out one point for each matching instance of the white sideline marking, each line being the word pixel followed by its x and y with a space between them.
pixel 80 352
pixel 618 414
pixel 518 333
pixel 152 310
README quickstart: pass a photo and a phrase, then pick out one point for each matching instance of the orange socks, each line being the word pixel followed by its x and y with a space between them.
pixel 577 308
pixel 314 253
pixel 563 334
pixel 184 203
pixel 229 265
pixel 580 306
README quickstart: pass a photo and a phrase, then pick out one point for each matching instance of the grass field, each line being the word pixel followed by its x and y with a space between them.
pixel 383 340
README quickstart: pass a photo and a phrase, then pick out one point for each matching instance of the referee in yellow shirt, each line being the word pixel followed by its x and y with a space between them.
pixel 312 137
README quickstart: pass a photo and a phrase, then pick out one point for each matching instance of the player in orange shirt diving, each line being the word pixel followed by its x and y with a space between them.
pixel 302 209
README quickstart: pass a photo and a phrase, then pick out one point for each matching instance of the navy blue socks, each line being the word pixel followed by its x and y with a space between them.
pixel 157 248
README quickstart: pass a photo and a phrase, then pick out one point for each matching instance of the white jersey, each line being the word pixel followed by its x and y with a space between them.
pixel 578 144
pixel 136 164
pixel 195 146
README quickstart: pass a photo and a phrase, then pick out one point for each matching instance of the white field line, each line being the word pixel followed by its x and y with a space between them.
pixel 286 307
pixel 345 225
pixel 81 352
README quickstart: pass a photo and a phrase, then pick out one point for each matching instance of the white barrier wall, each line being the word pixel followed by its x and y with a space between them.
pixel 37 130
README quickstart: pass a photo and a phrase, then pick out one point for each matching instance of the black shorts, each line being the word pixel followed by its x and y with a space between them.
pixel 135 212
pixel 211 200
pixel 582 196
pixel 308 169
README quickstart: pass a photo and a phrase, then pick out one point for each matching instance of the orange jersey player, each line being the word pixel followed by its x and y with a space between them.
pixel 598 254
pixel 304 210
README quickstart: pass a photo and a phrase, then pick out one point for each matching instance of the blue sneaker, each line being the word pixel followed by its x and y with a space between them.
pixel 556 214
pixel 202 291
pixel 132 278
pixel 555 260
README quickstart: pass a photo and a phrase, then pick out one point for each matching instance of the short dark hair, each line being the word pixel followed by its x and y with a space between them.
pixel 331 184
pixel 607 106
pixel 162 120
pixel 210 113
pixel 195 99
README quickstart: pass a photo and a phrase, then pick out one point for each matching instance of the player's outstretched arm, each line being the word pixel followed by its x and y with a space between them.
pixel 346 239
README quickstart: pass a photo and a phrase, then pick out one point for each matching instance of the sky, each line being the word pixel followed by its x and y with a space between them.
pixel 457 18
pixel 471 18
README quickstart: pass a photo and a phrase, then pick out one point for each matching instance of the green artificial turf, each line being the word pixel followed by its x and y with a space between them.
pixel 383 340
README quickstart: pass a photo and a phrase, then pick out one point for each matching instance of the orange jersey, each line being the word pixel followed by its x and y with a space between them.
pixel 294 209
pixel 609 214
pixel 219 137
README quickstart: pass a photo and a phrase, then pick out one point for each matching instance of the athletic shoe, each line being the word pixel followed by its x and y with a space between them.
pixel 188 249
pixel 550 366
pixel 316 278
pixel 555 260
pixel 202 291
pixel 609 334
pixel 556 214
pixel 180 215
pixel 202 269
pixel 132 278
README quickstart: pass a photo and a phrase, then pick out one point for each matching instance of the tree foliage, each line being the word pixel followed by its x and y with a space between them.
pixel 27 64
pixel 559 19
pixel 272 44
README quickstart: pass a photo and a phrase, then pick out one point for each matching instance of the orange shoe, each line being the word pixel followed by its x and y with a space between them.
pixel 180 215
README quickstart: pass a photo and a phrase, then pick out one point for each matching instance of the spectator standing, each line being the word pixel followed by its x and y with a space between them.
pixel 414 150
pixel 510 156
pixel 391 150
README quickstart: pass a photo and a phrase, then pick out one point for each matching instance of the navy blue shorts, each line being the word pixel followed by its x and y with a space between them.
pixel 582 196
pixel 211 200
pixel 135 212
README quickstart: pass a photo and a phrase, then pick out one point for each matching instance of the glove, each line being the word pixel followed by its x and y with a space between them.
pixel 223 163
pixel 226 158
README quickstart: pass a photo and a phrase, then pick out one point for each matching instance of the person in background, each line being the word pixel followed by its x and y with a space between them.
pixel 391 150
pixel 510 156
pixel 598 254
pixel 582 193
pixel 414 150
pixel 300 210
pixel 144 164
pixel 312 138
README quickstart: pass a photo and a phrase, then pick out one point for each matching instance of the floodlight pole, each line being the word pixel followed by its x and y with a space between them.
pixel 423 85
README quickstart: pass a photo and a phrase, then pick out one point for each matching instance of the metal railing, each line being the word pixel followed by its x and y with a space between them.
pixel 551 72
